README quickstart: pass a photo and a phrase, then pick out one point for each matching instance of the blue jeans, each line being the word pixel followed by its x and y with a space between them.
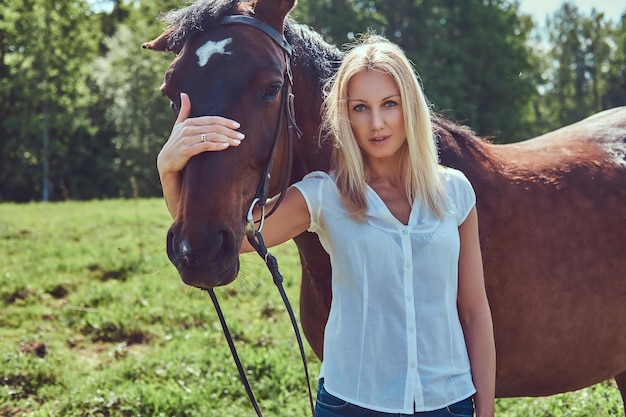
pixel 328 405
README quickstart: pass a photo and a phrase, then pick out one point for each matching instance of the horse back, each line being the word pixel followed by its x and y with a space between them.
pixel 552 219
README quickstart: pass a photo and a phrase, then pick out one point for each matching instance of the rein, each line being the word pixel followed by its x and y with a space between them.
pixel 253 234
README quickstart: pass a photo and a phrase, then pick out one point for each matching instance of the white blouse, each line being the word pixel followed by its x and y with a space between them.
pixel 393 341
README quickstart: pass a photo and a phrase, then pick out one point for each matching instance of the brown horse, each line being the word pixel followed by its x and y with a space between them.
pixel 552 209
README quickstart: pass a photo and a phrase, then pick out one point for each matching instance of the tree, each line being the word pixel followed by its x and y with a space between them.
pixel 338 20
pixel 475 72
pixel 81 112
pixel 136 115
pixel 44 98
pixel 580 53
pixel 615 94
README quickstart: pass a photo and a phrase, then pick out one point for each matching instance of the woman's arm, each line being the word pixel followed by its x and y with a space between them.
pixel 186 141
pixel 289 220
pixel 475 317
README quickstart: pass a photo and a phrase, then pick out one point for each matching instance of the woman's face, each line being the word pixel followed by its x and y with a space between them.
pixel 375 113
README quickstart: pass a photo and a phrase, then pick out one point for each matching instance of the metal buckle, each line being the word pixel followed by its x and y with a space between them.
pixel 250 228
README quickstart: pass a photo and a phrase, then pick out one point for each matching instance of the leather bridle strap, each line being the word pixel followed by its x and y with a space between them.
pixel 254 235
pixel 233 352
pixel 276 36
pixel 272 265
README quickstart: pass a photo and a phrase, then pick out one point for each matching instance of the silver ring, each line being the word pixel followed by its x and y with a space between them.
pixel 203 137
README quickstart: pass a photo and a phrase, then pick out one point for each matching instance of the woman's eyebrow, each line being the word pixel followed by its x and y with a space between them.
pixel 383 99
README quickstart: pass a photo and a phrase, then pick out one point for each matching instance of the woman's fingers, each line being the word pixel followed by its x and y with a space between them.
pixel 185 108
pixel 192 136
pixel 206 128
pixel 212 131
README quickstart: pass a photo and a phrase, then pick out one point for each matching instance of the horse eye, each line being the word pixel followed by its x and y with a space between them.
pixel 272 91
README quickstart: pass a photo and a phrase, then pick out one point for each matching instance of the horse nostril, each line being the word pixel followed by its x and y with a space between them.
pixel 169 243
pixel 177 250
pixel 221 245
pixel 211 246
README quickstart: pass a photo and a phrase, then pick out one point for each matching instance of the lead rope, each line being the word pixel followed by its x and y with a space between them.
pixel 233 352
pixel 272 264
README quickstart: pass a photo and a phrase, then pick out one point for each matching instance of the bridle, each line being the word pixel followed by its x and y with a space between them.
pixel 253 233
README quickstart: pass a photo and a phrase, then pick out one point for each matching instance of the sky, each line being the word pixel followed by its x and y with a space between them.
pixel 613 9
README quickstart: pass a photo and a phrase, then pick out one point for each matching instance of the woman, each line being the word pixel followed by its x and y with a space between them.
pixel 409 331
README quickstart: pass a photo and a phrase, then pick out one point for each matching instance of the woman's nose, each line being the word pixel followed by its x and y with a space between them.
pixel 376 121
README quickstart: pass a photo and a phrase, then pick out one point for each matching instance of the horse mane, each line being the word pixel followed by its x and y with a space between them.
pixel 182 24
pixel 319 57
pixel 446 129
pixel 459 145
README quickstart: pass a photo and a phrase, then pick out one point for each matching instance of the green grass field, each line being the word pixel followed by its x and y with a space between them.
pixel 96 322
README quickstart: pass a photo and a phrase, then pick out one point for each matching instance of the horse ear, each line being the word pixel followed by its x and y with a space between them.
pixel 273 12
pixel 161 43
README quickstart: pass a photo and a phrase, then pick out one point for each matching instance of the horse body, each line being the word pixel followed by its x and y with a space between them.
pixel 551 212
pixel 552 218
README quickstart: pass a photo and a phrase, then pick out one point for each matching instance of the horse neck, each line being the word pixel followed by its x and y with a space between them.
pixel 314 61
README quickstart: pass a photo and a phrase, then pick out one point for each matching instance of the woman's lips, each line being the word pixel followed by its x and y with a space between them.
pixel 379 139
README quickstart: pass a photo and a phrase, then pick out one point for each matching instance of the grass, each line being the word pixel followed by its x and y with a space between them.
pixel 96 322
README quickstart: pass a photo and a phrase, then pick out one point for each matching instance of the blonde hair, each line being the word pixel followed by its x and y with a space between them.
pixel 419 158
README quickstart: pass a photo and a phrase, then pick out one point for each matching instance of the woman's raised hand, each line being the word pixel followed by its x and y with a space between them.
pixel 191 136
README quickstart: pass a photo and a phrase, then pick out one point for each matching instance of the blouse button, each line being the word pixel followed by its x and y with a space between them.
pixel 412 365
pixel 405 232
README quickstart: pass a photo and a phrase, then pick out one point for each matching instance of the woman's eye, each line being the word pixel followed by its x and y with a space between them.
pixel 359 107
pixel 390 103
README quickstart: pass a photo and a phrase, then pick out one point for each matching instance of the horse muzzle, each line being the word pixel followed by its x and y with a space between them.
pixel 213 263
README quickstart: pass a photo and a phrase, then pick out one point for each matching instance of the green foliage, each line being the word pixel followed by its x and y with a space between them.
pixel 598 400
pixel 615 94
pixel 338 20
pixel 469 68
pixel 582 54
pixel 81 115
pixel 127 80
pixel 121 335
pixel 60 102
pixel 24 373
pixel 44 99
pixel 80 338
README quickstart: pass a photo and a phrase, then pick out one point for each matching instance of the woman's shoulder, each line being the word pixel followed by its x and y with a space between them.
pixel 321 195
pixel 318 176
pixel 452 174
pixel 460 190
pixel 315 182
pixel 453 178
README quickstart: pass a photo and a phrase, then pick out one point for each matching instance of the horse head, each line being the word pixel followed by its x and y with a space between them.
pixel 230 61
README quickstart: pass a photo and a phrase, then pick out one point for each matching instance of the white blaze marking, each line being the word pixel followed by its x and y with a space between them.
pixel 206 51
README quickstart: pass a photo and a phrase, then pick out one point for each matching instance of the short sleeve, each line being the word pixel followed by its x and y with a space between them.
pixel 311 187
pixel 462 193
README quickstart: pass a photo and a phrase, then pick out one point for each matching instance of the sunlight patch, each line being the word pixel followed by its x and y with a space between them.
pixel 617 152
